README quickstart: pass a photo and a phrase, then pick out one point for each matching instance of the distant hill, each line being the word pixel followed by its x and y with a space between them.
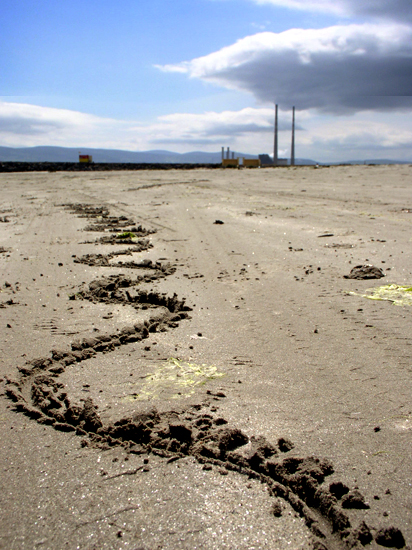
pixel 71 154
pixel 66 154
pixel 378 161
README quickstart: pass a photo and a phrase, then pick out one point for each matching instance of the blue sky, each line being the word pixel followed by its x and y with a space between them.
pixel 199 74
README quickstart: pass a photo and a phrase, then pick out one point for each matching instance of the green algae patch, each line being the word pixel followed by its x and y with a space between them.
pixel 399 295
pixel 126 235
pixel 175 379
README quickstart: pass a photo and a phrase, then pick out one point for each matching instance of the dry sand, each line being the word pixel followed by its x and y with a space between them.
pixel 213 380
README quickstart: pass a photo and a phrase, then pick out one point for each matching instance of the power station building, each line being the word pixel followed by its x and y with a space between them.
pixel 229 160
pixel 267 160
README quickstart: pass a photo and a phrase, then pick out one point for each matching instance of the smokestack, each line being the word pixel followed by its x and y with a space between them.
pixel 275 148
pixel 292 151
pixel 228 153
pixel 233 154
pixel 223 153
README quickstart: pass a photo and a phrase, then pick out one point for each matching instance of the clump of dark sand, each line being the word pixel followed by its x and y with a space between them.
pixel 365 272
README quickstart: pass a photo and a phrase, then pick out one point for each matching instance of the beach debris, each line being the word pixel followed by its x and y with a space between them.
pixel 339 245
pixel 366 271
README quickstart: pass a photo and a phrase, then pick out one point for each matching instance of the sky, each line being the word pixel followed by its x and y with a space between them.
pixel 196 75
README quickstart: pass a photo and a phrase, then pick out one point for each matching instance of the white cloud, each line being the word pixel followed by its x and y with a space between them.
pixel 24 125
pixel 227 124
pixel 28 125
pixel 345 68
pixel 323 138
pixel 359 135
pixel 366 135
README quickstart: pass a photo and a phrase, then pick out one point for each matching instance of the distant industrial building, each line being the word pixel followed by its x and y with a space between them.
pixel 267 160
pixel 85 158
pixel 240 162
pixel 229 160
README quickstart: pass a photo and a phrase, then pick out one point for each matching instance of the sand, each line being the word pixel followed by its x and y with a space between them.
pixel 206 358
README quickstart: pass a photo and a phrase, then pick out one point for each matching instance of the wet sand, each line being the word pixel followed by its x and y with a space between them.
pixel 206 358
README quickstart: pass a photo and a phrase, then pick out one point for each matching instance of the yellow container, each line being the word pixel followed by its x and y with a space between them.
pixel 85 158
pixel 230 162
pixel 251 163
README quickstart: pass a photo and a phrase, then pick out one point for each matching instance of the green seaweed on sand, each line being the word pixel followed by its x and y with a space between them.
pixel 399 295
pixel 126 235
pixel 175 379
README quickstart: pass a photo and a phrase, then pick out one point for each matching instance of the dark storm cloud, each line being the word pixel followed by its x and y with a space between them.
pixel 398 10
pixel 339 69
pixel 392 10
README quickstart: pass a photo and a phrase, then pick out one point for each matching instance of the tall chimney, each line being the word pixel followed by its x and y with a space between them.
pixel 275 148
pixel 223 153
pixel 228 153
pixel 292 151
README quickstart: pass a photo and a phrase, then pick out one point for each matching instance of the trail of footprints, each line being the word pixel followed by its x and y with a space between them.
pixel 195 431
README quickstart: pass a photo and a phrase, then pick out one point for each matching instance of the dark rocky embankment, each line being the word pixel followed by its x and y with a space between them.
pixel 94 167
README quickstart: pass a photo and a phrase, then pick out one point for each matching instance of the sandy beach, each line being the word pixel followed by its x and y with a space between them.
pixel 187 360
